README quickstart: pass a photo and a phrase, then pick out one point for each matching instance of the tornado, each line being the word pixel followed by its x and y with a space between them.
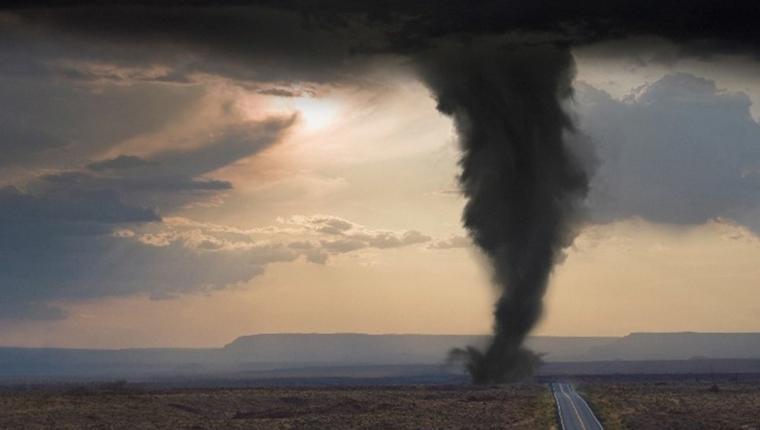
pixel 522 182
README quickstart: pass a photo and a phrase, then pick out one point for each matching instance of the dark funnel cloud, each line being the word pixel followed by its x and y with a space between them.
pixel 501 69
pixel 522 184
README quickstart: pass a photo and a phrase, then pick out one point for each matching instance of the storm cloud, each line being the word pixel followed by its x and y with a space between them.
pixel 678 151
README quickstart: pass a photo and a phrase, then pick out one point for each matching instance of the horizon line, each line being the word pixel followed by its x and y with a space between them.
pixel 371 334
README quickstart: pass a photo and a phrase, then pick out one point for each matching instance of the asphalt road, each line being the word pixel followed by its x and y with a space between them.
pixel 574 413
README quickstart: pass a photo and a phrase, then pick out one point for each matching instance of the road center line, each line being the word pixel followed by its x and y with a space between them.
pixel 575 409
pixel 559 408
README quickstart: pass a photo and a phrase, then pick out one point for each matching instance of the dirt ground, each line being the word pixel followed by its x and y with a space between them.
pixel 676 405
pixel 429 407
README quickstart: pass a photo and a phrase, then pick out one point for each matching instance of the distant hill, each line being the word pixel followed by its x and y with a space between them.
pixel 352 348
pixel 347 348
pixel 677 346
pixel 270 354
pixel 406 349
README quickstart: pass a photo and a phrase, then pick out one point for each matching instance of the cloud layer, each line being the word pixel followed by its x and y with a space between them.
pixel 677 151
pixel 115 119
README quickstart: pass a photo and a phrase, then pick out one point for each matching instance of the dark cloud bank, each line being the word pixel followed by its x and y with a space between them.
pixel 501 70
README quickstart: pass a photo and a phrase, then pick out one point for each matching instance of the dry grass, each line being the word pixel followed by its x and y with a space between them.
pixel 513 406
pixel 676 405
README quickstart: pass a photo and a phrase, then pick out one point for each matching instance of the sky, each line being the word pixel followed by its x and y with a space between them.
pixel 187 201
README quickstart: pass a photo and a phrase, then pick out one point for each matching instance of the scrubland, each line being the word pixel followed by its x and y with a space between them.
pixel 522 406
pixel 675 405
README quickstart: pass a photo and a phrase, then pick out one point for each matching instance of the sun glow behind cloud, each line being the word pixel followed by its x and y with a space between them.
pixel 333 169
pixel 315 112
